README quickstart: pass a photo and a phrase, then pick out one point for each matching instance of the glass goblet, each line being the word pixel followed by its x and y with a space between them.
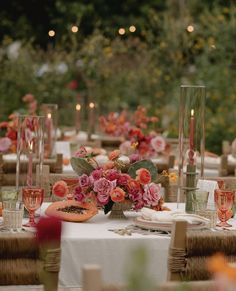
pixel 224 200
pixel 32 199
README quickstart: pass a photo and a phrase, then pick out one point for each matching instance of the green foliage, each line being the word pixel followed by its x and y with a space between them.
pixel 81 166
pixel 137 274
pixel 146 67
pixel 147 164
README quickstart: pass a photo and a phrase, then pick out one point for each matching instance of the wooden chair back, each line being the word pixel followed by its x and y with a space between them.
pixel 189 251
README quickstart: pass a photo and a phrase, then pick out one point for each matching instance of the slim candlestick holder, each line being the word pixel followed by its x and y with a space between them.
pixel 191 141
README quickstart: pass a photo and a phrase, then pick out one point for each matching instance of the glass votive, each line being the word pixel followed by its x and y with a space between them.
pixel 12 214
pixel 200 199
pixel 8 193
pixel 209 214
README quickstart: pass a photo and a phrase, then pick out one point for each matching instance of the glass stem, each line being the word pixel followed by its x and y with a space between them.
pixel 31 217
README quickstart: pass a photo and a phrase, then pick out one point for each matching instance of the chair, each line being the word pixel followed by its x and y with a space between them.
pixel 24 262
pixel 8 169
pixel 189 251
pixel 227 168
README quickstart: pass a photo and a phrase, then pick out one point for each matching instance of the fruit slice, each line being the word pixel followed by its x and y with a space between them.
pixel 71 210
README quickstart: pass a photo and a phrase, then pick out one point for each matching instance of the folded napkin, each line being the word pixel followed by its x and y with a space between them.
pixel 170 216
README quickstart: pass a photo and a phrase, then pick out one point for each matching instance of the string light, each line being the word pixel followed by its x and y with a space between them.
pixel 51 33
pixel 91 105
pixel 121 31
pixel 78 107
pixel 132 28
pixel 74 28
pixel 190 28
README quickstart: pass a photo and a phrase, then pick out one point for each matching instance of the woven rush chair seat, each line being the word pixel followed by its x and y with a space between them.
pixel 23 262
pixel 189 251
pixel 19 259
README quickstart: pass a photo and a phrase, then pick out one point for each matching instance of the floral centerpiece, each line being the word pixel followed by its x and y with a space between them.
pixel 140 138
pixel 114 182
pixel 9 128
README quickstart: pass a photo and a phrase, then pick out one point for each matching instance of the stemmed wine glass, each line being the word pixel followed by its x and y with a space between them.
pixel 224 200
pixel 32 199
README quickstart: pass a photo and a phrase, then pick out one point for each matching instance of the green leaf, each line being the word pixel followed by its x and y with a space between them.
pixel 81 166
pixel 143 164
pixel 108 206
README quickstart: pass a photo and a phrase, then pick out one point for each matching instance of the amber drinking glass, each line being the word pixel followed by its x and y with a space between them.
pixel 32 199
pixel 224 200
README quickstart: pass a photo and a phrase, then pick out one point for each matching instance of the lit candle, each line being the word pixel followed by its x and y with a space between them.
pixel 191 138
pixel 77 121
pixel 49 128
pixel 91 119
pixel 30 165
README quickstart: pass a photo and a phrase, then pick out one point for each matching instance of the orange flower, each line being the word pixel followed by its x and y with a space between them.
pixel 143 176
pixel 117 195
pixel 217 264
pixel 108 165
pixel 114 155
pixel 60 189
pixel 66 161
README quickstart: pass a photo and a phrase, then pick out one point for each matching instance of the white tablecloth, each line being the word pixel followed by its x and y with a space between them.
pixel 91 242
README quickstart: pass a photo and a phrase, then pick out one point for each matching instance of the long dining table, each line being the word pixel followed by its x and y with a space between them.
pixel 95 242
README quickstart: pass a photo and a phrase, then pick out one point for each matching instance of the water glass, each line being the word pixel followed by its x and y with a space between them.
pixel 200 199
pixel 12 214
pixel 8 193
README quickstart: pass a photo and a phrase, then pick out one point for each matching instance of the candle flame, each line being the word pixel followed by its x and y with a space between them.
pixel 192 112
pixel 78 107
pixel 49 115
pixel 91 105
pixel 31 145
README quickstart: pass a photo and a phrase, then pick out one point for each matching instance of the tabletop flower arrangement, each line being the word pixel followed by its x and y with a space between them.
pixel 114 182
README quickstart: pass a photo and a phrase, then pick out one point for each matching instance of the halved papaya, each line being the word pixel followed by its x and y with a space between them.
pixel 71 210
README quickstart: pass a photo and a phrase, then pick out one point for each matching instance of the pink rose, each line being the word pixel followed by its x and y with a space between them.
pixel 126 148
pixel 104 186
pixel 139 204
pixel 81 153
pixel 84 180
pixel 95 175
pixel 60 189
pixel 103 198
pixel 5 144
pixel 78 194
pixel 117 195
pixel 123 179
pixel 135 197
pixel 143 176
pixel 133 186
pixel 152 194
pixel 158 143
pixel 111 175
pixel 134 158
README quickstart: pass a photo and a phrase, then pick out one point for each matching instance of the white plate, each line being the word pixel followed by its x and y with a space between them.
pixel 164 226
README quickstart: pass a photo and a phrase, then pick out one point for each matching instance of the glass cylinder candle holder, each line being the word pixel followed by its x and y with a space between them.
pixel 50 112
pixel 29 166
pixel 91 119
pixel 191 140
